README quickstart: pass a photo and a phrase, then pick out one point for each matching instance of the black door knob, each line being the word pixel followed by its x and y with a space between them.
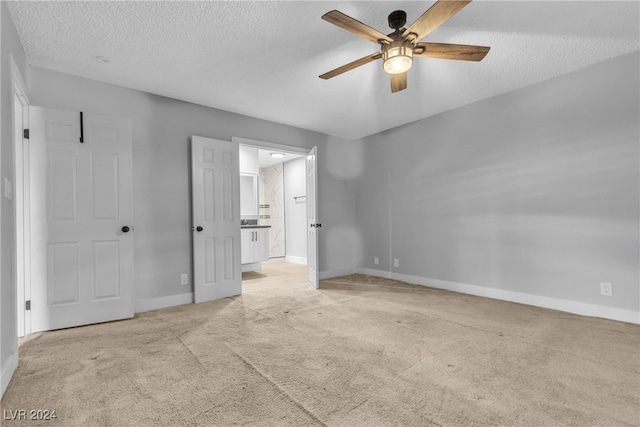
pixel 198 228
pixel 125 229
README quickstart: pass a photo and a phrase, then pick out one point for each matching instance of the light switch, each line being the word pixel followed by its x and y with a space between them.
pixel 8 192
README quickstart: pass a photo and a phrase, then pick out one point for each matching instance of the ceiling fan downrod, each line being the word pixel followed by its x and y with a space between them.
pixel 397 19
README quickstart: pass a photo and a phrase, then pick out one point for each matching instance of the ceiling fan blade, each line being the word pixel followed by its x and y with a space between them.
pixel 356 27
pixel 398 82
pixel 351 65
pixel 461 52
pixel 435 16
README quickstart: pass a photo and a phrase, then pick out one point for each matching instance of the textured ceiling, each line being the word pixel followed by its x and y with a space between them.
pixel 262 59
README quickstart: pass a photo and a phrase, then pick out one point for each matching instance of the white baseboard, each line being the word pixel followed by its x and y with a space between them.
pixel 574 307
pixel 252 266
pixel 296 259
pixel 336 273
pixel 374 273
pixel 148 304
pixel 7 371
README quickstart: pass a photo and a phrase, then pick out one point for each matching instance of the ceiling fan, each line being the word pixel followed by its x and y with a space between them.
pixel 400 47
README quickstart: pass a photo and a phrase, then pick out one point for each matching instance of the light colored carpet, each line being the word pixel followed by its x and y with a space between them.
pixel 359 352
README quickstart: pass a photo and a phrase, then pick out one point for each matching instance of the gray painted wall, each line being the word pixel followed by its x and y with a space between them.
pixel 162 128
pixel 10 44
pixel 534 191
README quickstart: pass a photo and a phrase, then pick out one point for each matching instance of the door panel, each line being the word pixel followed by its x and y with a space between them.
pixel 216 210
pixel 209 260
pixel 80 197
pixel 62 273
pixel 104 181
pixel 230 259
pixel 62 194
pixel 312 218
pixel 106 259
pixel 228 193
pixel 60 131
pixel 209 212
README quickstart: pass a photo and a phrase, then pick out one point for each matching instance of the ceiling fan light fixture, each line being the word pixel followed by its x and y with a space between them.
pixel 398 48
pixel 397 58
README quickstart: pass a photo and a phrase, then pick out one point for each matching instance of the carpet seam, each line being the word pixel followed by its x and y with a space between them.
pixel 179 337
pixel 277 387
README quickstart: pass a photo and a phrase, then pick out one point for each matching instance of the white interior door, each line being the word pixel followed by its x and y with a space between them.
pixel 81 204
pixel 312 218
pixel 215 188
pixel 21 213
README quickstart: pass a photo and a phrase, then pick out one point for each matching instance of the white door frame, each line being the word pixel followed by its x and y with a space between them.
pixel 21 251
pixel 279 147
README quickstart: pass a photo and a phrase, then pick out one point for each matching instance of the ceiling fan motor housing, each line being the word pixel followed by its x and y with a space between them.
pixel 397 19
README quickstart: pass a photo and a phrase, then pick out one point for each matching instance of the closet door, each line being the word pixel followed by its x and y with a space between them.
pixel 81 202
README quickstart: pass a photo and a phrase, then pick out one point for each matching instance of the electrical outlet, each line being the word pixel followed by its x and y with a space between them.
pixel 396 262
pixel 606 289
pixel 184 279
pixel 376 260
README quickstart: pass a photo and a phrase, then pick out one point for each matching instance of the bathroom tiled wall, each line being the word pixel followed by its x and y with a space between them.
pixel 271 193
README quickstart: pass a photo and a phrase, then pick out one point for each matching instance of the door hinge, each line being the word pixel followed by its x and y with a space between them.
pixel 25 133
pixel 27 305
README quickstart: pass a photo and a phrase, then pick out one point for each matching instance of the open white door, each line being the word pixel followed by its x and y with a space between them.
pixel 21 206
pixel 312 218
pixel 81 204
pixel 215 189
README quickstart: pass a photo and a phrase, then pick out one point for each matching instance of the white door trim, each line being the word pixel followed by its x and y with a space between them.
pixel 263 144
pixel 287 149
pixel 21 277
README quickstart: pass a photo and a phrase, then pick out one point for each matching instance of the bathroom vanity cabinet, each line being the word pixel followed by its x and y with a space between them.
pixel 254 243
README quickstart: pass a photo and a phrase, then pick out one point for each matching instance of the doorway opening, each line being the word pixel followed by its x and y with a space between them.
pixel 281 198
